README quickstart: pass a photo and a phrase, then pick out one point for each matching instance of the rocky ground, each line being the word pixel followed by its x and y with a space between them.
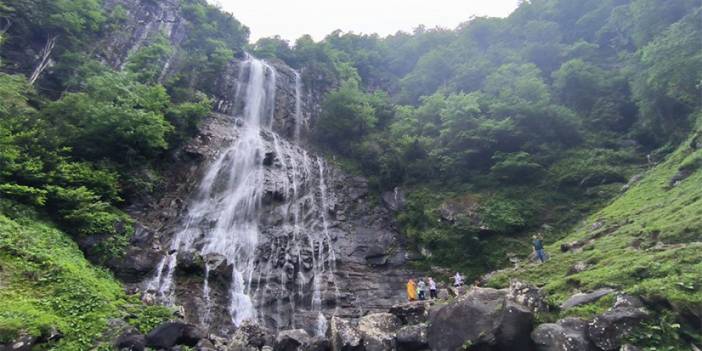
pixel 474 318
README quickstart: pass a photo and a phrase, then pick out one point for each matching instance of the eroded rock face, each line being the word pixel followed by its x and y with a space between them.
pixel 171 334
pixel 362 255
pixel 412 338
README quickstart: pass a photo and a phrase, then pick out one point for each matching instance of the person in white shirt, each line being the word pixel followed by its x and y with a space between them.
pixel 432 288
pixel 458 280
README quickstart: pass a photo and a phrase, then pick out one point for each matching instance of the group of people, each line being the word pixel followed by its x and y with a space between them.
pixel 418 290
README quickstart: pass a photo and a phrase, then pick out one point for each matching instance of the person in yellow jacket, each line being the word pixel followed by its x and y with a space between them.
pixel 411 290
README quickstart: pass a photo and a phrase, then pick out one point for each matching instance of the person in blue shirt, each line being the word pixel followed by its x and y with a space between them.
pixel 539 248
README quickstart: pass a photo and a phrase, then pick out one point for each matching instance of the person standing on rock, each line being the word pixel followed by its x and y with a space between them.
pixel 539 248
pixel 411 290
pixel 457 280
pixel 421 290
pixel 432 288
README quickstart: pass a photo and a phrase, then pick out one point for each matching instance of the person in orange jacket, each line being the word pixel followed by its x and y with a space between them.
pixel 411 290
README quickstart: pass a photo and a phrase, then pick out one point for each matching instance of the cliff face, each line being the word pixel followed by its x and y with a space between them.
pixel 323 246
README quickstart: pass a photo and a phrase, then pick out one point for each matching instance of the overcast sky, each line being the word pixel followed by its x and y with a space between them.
pixel 292 18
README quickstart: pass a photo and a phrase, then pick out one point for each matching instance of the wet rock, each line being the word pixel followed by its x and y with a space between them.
pixel 412 338
pixel 344 336
pixel 190 263
pixel 131 340
pixel 394 200
pixel 569 334
pixel 250 335
pixel 583 299
pixel 376 256
pixel 608 330
pixel 378 331
pixel 479 319
pixel 170 334
pixel 411 313
pixel 292 340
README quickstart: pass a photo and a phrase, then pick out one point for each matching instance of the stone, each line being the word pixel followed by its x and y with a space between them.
pixel 291 340
pixel 131 340
pixel 608 330
pixel 443 294
pixel 378 331
pixel 205 345
pixel 411 313
pixel 412 338
pixel 515 328
pixel 344 337
pixel 569 334
pixel 585 298
pixel 578 267
pixel 626 300
pixel 629 347
pixel 479 319
pixel 394 200
pixel 527 295
pixel 170 334
pixel 21 343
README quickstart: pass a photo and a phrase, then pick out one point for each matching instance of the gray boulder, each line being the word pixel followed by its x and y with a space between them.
pixel 484 319
pixel 344 336
pixel 378 331
pixel 609 329
pixel 583 299
pixel 527 295
pixel 131 340
pixel 411 313
pixel 412 338
pixel 292 340
pixel 569 334
pixel 171 334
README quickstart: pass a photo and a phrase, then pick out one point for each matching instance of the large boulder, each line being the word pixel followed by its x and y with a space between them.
pixel 378 331
pixel 608 330
pixel 412 338
pixel 292 340
pixel 411 313
pixel 170 334
pixel 569 334
pixel 484 319
pixel 344 336
pixel 583 299
pixel 131 340
pixel 527 295
pixel 250 336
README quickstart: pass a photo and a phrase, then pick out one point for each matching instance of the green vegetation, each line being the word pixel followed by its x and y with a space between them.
pixel 646 242
pixel 47 286
pixel 540 117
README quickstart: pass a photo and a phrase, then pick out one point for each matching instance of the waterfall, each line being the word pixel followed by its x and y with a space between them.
pixel 223 220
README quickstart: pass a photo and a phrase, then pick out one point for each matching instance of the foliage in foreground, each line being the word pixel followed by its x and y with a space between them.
pixel 46 284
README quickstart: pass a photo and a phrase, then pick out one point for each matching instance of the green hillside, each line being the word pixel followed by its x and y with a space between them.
pixel 647 242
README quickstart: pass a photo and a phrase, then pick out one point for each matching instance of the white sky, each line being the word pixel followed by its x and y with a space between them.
pixel 292 18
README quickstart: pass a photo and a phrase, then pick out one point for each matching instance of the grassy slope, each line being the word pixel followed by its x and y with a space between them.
pixel 46 282
pixel 667 223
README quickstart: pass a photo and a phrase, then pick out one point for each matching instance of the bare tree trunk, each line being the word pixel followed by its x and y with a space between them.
pixel 45 59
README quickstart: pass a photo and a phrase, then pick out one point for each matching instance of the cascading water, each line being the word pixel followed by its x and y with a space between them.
pixel 223 220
